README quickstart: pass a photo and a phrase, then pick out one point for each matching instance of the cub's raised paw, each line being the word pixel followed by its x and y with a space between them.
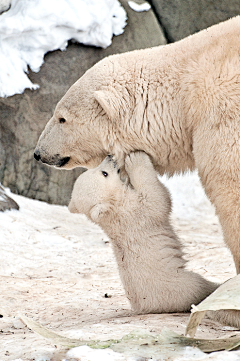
pixel 137 160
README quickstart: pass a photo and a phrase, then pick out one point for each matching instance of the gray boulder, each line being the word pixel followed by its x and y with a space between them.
pixel 180 18
pixel 23 117
pixel 6 202
pixel 4 5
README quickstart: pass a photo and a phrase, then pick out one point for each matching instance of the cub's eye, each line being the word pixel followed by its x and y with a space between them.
pixel 105 174
pixel 62 120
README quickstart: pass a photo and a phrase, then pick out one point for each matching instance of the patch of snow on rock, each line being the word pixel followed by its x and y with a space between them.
pixel 29 29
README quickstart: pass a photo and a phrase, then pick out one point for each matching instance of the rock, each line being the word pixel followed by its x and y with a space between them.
pixel 6 203
pixel 180 18
pixel 24 116
pixel 5 5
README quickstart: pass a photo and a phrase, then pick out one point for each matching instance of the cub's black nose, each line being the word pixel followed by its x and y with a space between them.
pixel 37 155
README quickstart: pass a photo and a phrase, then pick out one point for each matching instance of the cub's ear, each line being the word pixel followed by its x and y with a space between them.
pixel 109 101
pixel 98 210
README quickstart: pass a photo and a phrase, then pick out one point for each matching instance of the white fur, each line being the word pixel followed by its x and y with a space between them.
pixel 135 216
pixel 179 103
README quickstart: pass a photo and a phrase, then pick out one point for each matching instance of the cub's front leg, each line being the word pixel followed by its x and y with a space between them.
pixel 143 176
pixel 139 169
pixel 144 179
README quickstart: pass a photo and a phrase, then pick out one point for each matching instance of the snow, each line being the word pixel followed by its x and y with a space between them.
pixel 29 29
pixel 188 196
pixel 216 356
pixel 139 7
pixel 85 353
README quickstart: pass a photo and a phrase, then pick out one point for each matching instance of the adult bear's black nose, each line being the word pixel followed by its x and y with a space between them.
pixel 37 155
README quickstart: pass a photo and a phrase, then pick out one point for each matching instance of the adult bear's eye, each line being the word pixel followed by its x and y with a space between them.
pixel 62 120
pixel 105 174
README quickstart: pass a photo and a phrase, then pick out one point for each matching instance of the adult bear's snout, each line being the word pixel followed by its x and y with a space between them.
pixel 37 155
pixel 55 160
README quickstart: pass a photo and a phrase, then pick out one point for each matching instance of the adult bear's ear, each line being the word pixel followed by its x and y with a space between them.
pixel 109 101
pixel 98 210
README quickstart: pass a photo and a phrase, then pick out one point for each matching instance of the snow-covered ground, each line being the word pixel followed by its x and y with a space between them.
pixel 57 267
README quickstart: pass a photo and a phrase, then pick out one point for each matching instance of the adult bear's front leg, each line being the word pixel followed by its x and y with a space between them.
pixel 217 157
pixel 227 205
pixel 224 193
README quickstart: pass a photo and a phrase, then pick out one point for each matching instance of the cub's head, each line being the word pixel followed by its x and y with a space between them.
pixel 97 190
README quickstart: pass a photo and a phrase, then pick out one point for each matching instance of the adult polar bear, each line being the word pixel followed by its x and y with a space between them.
pixel 180 103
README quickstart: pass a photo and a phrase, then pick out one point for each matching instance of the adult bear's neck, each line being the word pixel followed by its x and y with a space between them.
pixel 151 117
pixel 157 88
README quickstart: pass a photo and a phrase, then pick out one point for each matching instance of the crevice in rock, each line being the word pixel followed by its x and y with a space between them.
pixel 165 32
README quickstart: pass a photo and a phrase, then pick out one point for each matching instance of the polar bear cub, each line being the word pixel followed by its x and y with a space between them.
pixel 136 217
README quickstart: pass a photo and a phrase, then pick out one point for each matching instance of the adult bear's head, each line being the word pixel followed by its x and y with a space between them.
pixel 87 122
